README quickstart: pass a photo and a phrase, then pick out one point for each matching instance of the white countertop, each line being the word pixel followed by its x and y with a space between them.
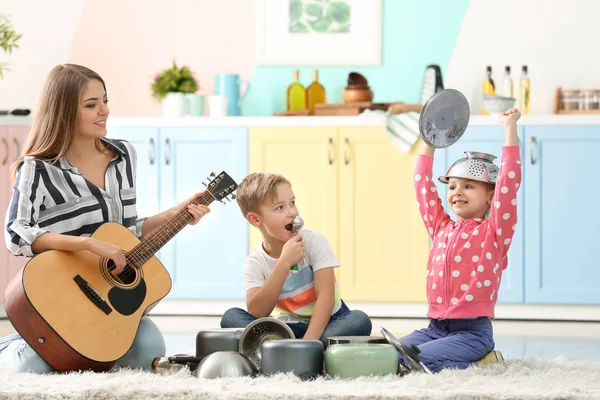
pixel 340 121
pixel 12 120
pixel 550 119
pixel 245 121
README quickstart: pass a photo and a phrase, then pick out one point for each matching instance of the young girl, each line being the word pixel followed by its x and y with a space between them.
pixel 69 180
pixel 467 255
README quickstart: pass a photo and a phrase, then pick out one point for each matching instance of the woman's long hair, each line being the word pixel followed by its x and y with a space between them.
pixel 57 114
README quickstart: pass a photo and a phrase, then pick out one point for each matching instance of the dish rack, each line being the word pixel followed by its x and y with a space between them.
pixel 577 101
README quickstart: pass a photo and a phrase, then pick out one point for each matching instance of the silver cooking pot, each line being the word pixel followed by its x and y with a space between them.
pixel 260 331
pixel 223 364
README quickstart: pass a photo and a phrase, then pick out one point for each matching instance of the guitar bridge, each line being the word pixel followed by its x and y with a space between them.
pixel 91 294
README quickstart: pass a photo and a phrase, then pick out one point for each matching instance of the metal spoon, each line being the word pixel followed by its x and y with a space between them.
pixel 297 224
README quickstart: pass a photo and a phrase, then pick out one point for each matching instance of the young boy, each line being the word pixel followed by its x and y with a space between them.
pixel 290 276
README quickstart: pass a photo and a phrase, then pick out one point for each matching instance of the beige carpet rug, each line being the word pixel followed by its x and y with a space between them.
pixel 515 379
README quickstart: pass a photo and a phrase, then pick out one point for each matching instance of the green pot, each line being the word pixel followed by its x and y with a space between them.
pixel 354 360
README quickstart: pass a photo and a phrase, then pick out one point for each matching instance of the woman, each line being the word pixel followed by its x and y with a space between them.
pixel 70 180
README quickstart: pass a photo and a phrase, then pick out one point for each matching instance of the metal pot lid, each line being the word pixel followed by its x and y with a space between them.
pixel 409 355
pixel 444 118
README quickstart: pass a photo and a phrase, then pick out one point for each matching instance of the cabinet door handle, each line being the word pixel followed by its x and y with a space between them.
pixel 5 142
pixel 532 145
pixel 331 151
pixel 347 151
pixel 167 151
pixel 151 151
pixel 17 147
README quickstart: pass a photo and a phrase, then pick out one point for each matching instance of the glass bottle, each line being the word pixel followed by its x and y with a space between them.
pixel 315 92
pixel 525 93
pixel 296 95
pixel 488 86
pixel 508 87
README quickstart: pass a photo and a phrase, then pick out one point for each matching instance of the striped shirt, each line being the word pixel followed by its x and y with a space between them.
pixel 57 198
pixel 298 296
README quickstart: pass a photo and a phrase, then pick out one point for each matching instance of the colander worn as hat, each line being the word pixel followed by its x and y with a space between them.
pixel 476 166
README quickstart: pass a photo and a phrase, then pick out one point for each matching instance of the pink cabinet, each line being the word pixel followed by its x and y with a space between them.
pixel 12 138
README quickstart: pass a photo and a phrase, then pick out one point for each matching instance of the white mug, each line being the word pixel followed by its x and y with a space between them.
pixel 217 106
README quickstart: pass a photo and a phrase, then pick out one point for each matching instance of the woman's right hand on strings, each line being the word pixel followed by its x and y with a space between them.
pixel 111 251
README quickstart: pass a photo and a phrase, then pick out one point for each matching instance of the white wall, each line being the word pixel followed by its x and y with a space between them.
pixel 48 28
pixel 558 40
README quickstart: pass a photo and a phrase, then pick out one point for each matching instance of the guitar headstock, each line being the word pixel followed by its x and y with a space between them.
pixel 221 186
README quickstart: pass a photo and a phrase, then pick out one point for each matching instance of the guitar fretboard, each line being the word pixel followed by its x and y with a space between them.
pixel 161 236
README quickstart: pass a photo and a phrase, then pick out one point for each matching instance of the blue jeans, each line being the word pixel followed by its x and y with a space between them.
pixel 18 356
pixel 452 343
pixel 343 323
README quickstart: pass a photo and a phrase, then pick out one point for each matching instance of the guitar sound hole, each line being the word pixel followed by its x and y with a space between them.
pixel 126 277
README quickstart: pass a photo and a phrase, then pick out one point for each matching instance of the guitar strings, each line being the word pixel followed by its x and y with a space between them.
pixel 140 253
pixel 146 248
pixel 137 254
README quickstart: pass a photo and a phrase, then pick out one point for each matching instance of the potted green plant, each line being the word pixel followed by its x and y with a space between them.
pixel 170 86
pixel 8 40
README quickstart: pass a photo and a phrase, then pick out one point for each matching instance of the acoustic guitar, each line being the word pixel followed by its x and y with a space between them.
pixel 75 313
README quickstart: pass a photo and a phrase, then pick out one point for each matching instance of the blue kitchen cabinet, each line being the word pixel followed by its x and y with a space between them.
pixel 206 260
pixel 562 224
pixel 489 139
pixel 145 141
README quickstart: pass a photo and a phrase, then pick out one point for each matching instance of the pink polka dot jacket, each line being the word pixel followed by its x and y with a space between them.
pixel 467 258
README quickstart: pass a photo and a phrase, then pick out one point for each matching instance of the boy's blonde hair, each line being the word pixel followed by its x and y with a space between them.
pixel 256 188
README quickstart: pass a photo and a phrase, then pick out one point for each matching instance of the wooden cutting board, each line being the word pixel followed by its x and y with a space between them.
pixel 357 108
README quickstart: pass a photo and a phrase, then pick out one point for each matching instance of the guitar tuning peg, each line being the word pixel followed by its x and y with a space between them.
pixel 222 202
pixel 212 175
pixel 227 198
pixel 204 183
pixel 233 196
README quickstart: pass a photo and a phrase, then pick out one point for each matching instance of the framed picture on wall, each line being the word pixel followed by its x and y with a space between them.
pixel 319 32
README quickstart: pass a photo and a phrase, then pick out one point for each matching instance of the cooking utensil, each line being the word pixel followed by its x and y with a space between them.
pixel 212 340
pixel 352 95
pixel 355 360
pixel 297 224
pixel 356 340
pixel 164 366
pixel 476 166
pixel 495 105
pixel 444 118
pixel 432 82
pixel 225 364
pixel 174 363
pixel 302 357
pixel 259 331
pixel 185 359
pixel 410 353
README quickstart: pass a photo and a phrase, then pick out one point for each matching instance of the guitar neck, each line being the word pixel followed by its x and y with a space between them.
pixel 163 234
